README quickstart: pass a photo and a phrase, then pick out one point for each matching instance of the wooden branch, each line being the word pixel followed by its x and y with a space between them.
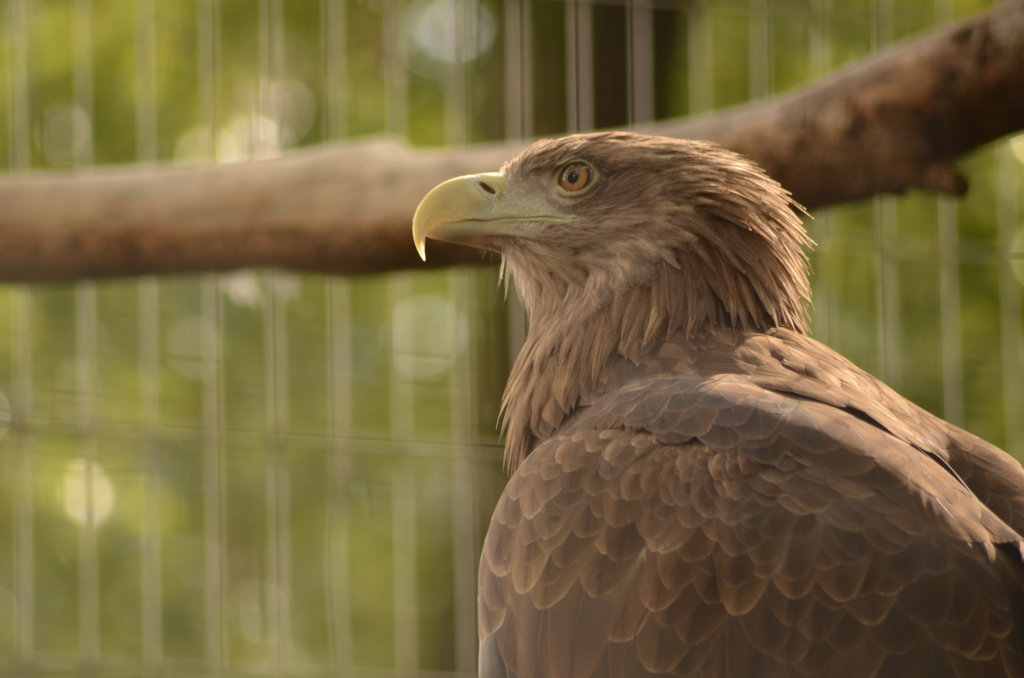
pixel 893 121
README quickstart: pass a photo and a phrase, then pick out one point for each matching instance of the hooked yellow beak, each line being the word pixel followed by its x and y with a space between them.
pixel 475 210
pixel 462 210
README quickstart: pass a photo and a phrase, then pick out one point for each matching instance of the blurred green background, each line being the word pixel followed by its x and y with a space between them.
pixel 263 473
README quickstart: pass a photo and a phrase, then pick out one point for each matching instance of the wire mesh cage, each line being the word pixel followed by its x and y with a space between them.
pixel 263 473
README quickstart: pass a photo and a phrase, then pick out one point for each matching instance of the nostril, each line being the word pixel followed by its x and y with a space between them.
pixel 487 187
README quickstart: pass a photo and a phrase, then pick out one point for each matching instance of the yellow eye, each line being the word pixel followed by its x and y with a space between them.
pixel 575 177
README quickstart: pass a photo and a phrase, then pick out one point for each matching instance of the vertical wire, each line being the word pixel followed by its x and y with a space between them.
pixel 403 530
pixel 207 46
pixel 518 125
pixel 518 70
pixel 888 308
pixel 334 68
pixel 887 296
pixel 214 531
pixel 884 27
pixel 148 292
pixel 264 106
pixel 20 131
pixel 214 528
pixel 825 276
pixel 282 374
pixel 263 102
pixel 455 99
pixel 403 488
pixel 512 56
pixel 949 312
pixel 276 384
pixel 759 50
pixel 85 348
pixel 395 76
pixel 876 207
pixel 1009 303
pixel 339 335
pixel 339 599
pixel 275 470
pixel 279 479
pixel 881 336
pixel 85 361
pixel 700 58
pixel 821 60
pixel 462 396
pixel 949 285
pixel 821 37
pixel 149 389
pixel 759 54
pixel 83 83
pixel 461 399
pixel 404 533
pixel 403 512
pixel 640 56
pixel 145 82
pixel 579 49
pixel 272 442
pixel 24 536
pixel 572 65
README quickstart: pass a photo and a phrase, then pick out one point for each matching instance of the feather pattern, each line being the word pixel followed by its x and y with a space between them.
pixel 699 488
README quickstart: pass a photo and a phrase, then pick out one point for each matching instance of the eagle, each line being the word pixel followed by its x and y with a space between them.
pixel 699 488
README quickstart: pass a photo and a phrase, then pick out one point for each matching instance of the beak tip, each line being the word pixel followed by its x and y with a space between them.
pixel 419 239
pixel 419 236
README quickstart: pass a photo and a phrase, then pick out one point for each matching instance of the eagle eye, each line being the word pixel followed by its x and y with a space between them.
pixel 575 177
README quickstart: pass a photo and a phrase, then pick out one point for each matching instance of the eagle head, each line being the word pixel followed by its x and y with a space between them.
pixel 582 219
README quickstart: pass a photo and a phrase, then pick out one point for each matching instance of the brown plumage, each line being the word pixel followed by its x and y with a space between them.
pixel 699 488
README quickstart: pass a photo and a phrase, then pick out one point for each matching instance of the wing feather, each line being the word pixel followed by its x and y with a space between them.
pixel 762 521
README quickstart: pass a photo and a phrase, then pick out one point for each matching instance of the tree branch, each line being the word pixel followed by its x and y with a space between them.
pixel 891 122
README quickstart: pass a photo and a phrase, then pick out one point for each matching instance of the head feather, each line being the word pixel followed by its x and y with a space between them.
pixel 674 235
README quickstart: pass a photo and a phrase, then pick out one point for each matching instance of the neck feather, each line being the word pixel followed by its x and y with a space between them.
pixel 578 333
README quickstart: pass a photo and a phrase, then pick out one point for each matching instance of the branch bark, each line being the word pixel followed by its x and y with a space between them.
pixel 891 122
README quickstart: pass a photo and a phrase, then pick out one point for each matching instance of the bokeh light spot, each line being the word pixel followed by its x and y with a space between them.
pixel 428 333
pixel 88 493
pixel 452 31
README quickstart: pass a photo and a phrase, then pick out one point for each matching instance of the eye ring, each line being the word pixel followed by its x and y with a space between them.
pixel 575 177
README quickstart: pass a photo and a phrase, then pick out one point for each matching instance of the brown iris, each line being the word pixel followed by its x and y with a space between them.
pixel 575 177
